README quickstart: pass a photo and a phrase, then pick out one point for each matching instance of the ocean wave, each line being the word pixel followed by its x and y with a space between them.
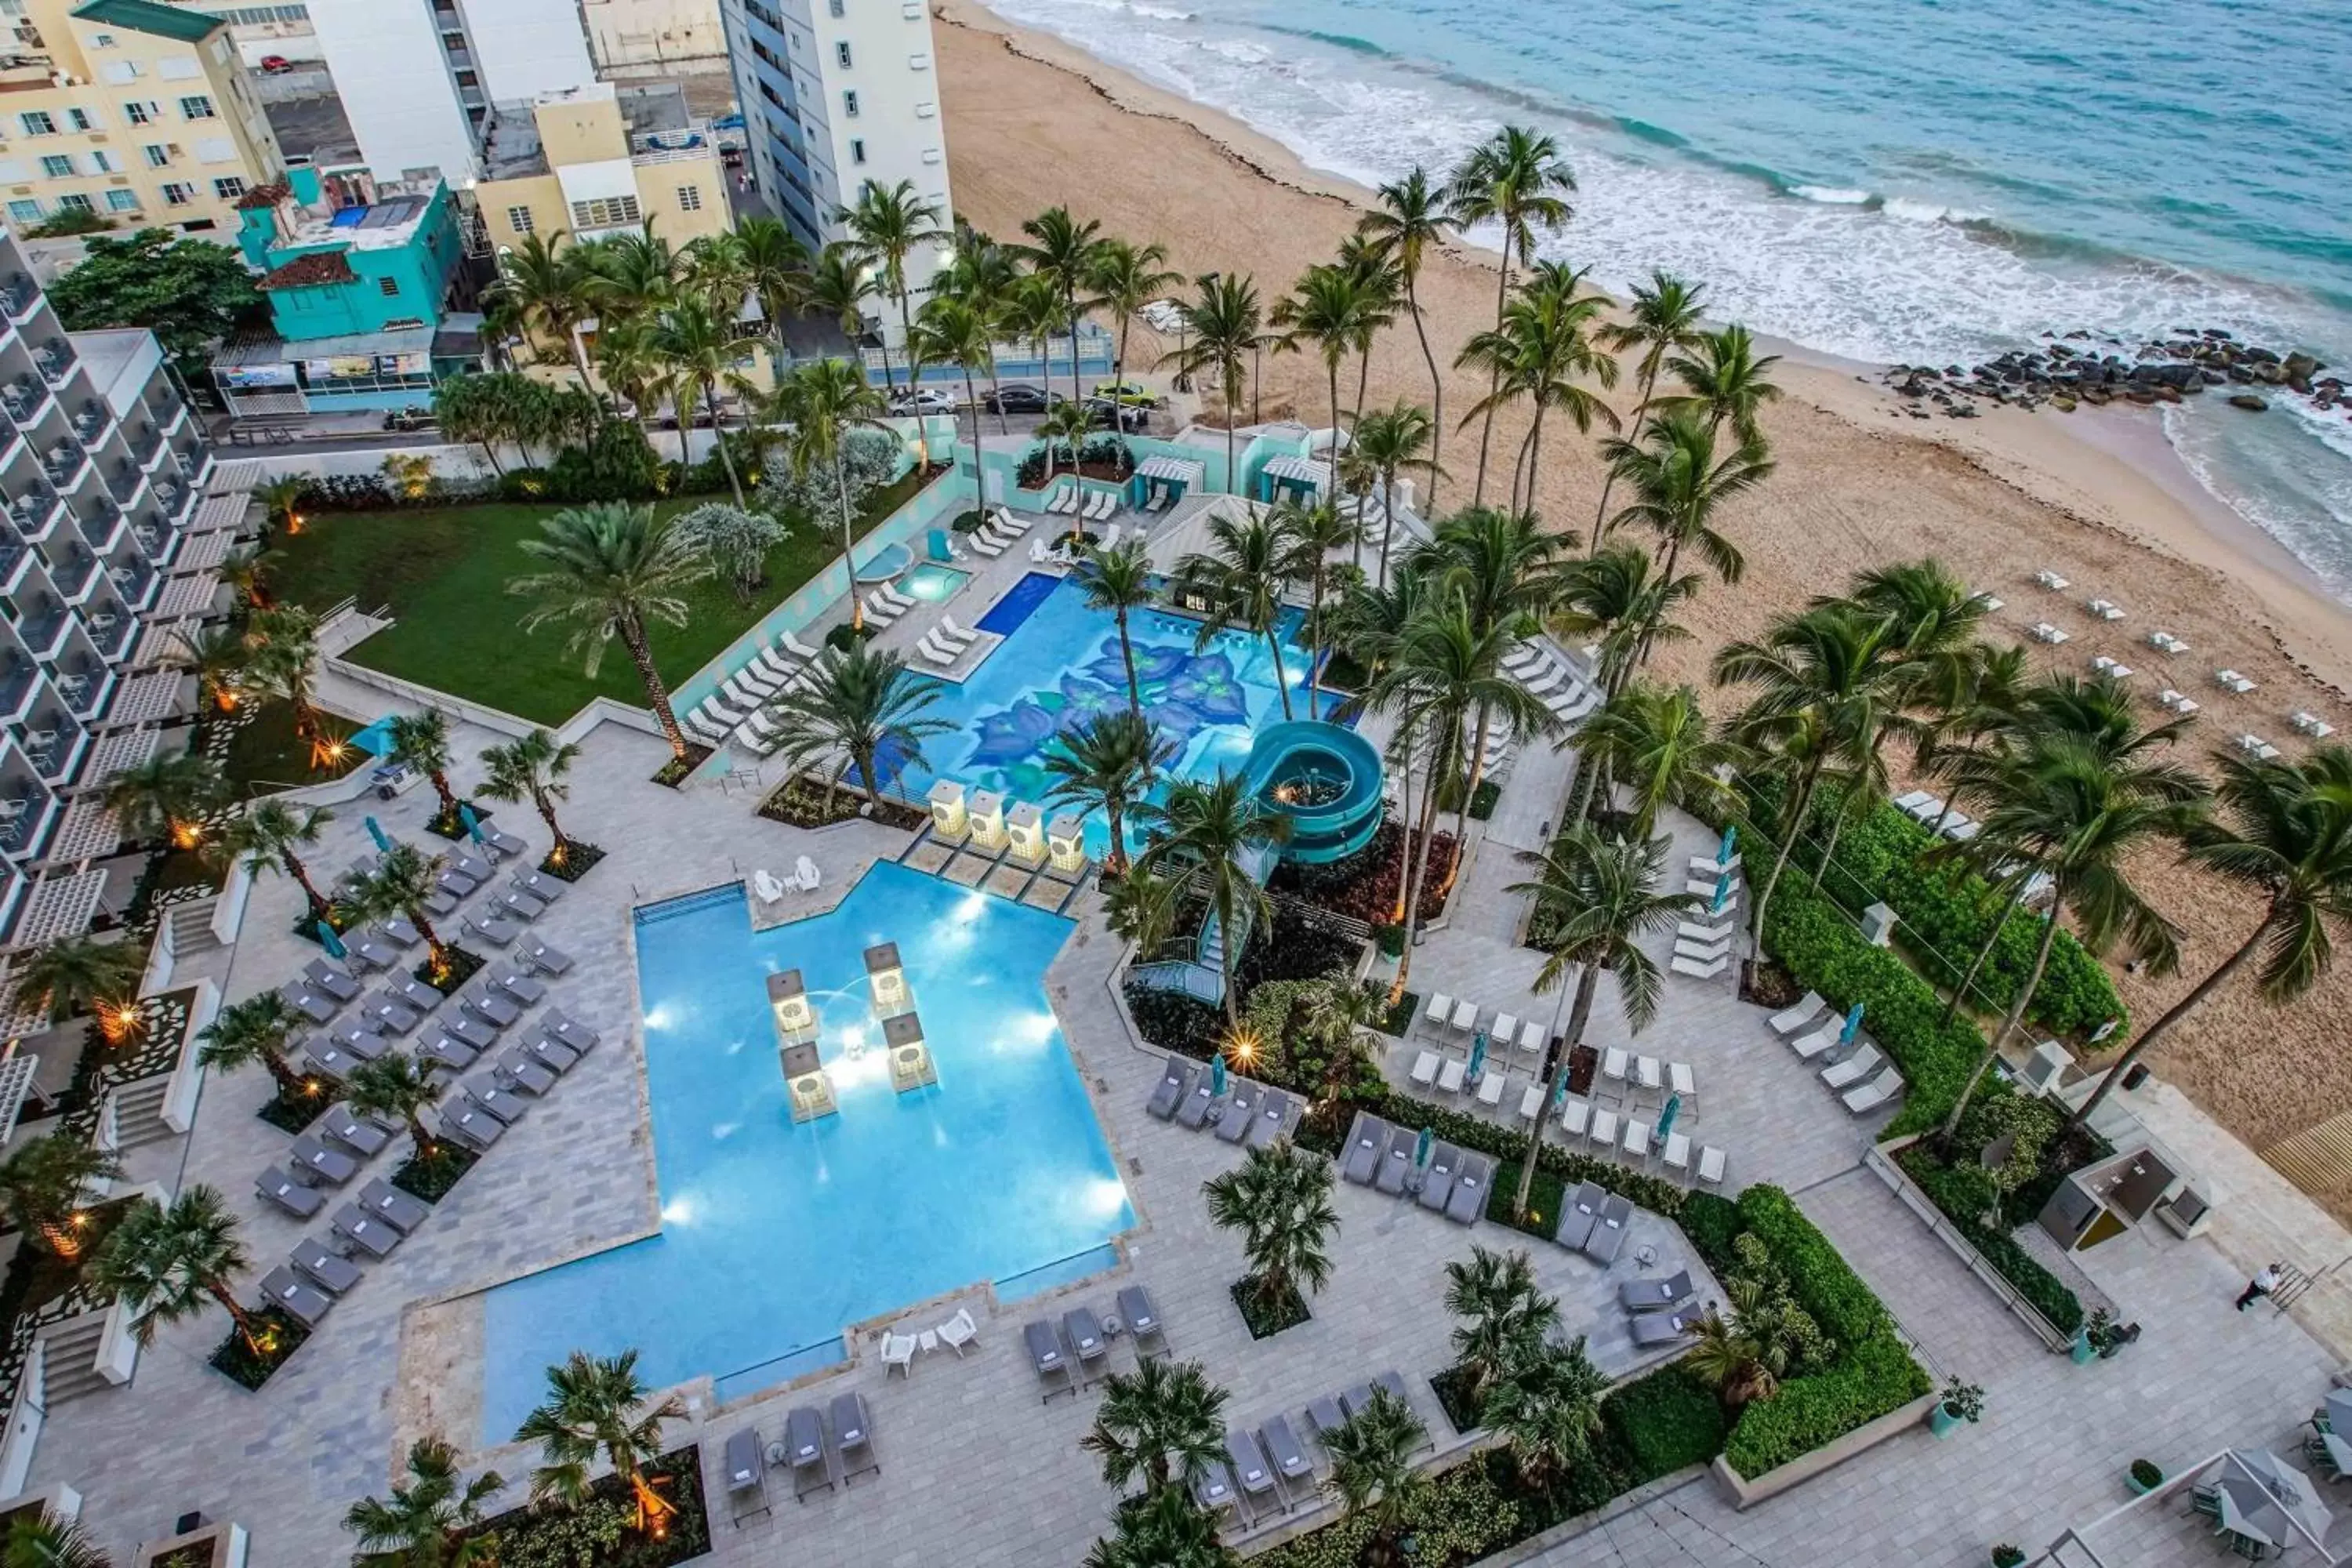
pixel 1831 195
pixel 1161 14
pixel 1911 211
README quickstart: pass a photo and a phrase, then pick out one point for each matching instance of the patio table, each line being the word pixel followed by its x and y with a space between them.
pixel 2338 1408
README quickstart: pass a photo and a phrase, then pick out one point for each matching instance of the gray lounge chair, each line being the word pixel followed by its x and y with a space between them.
pixel 1582 1213
pixel 1608 1230
pixel 1467 1204
pixel 521 905
pixel 389 1014
pixel 578 1035
pixel 403 931
pixel 319 1009
pixel 424 998
pixel 542 886
pixel 438 901
pixel 1193 1112
pixel 392 1206
pixel 1240 1111
pixel 499 1012
pixel 1651 1329
pixel 372 1236
pixel 804 1447
pixel 1254 1471
pixel 494 928
pixel 544 958
pixel 1142 1320
pixel 1214 1489
pixel 306 1304
pixel 374 950
pixel 323 1163
pixel 1325 1416
pixel 332 1274
pixel 1396 1165
pixel 853 1437
pixel 550 1053
pixel 329 981
pixel 503 842
pixel 483 1091
pixel 1394 1381
pixel 1655 1295
pixel 1175 1082
pixel 1086 1338
pixel 1272 1120
pixel 1049 1360
pixel 1437 1182
pixel 514 983
pixel 747 1476
pixel 443 1049
pixel 360 1134
pixel 1355 1399
pixel 472 865
pixel 471 1125
pixel 277 1187
pixel 358 1040
pixel 320 1059
pixel 518 1071
pixel 1283 1446
pixel 473 1031
pixel 1368 1140
pixel 456 883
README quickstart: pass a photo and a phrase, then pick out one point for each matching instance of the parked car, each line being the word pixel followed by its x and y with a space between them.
pixel 1020 397
pixel 923 400
pixel 276 65
pixel 1129 393
pixel 1104 414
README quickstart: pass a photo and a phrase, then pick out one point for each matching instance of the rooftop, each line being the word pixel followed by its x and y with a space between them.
pixel 142 16
pixel 386 224
pixel 656 116
pixel 312 269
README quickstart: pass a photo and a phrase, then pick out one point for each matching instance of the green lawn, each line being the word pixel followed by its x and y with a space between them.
pixel 444 573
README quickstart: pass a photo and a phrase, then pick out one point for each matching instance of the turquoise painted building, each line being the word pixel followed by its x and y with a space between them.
pixel 358 281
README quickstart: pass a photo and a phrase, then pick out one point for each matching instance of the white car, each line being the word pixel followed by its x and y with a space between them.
pixel 924 400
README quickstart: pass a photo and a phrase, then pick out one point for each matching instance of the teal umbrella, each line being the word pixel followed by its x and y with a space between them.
pixel 1422 1147
pixel 473 825
pixel 1477 1053
pixel 1722 893
pixel 331 941
pixel 1560 1094
pixel 375 831
pixel 1730 840
pixel 1217 1075
pixel 1666 1114
pixel 1852 1024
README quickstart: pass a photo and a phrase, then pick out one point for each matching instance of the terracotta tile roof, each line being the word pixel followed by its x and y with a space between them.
pixel 261 196
pixel 312 269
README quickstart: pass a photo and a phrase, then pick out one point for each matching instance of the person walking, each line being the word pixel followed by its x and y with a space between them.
pixel 2261 1285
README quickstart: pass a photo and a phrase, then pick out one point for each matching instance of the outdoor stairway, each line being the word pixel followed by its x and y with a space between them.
pixel 139 1113
pixel 190 927
pixel 69 1359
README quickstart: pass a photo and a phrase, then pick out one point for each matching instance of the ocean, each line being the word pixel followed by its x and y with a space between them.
pixel 1919 181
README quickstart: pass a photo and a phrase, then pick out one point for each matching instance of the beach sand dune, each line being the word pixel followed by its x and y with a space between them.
pixel 1036 123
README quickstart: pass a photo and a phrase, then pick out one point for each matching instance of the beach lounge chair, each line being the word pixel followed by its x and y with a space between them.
pixel 1192 1111
pixel 305 1303
pixel 484 1091
pixel 1048 1360
pixel 544 958
pixel 878 611
pixel 311 1004
pixel 955 635
pixel 315 1163
pixel 938 656
pixel 1578 1215
pixel 1655 1295
pixel 1824 1038
pixel 1870 1095
pixel 898 1354
pixel 1283 1447
pixel 1397 1164
pixel 959 1330
pixel 506 844
pixel 1468 1200
pixel 1368 1140
pixel 1141 1316
pixel 332 1274
pixel 793 646
pixel 358 1040
pixel 1175 1083
pixel 371 948
pixel 1505 1029
pixel 360 1135
pixel 491 1006
pixel 1083 1334
pixel 493 927
pixel 442 1049
pixel 512 983
pixel 1533 1035
pixel 578 1035
pixel 1844 1075
pixel 1240 1109
pixel 395 1208
pixel 1491 1085
pixel 521 905
pixel 1531 1101
pixel 1272 1120
pixel 1650 1073
pixel 988 544
pixel 1608 1230
pixel 804 1451
pixel 1450 1074
pixel 1638 1136
pixel 747 1476
pixel 1440 1010
pixel 275 1186
pixel 473 1031
pixel 554 1054
pixel 1710 1166
pixel 389 1014
pixel 336 984
pixel 1213 1489
pixel 853 1437
pixel 471 1125
pixel 1437 1182
pixel 368 1235
pixel 1575 1118
pixel 1655 1330
pixel 1604 1127
pixel 322 1059
pixel 1674 1154
pixel 414 993
pixel 1254 1471
pixel 516 1070
pixel 1425 1068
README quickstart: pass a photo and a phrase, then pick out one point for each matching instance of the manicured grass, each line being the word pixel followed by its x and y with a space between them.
pixel 443 573
pixel 265 755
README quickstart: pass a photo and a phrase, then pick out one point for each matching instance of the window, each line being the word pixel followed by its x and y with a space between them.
pixel 196 106
pixel 518 219
pixel 391 286
pixel 228 188
pixel 75 202
pixel 25 211
pixel 841 53
pixel 849 104
pixel 176 194
pixel 37 123
pixel 857 148
pixel 689 198
pixel 605 212
pixel 838 7
pixel 158 155
pixel 138 113
pixel 102 161
pixel 122 200
pixel 57 166
pixel 469 78
pixel 79 120
pixel 101 40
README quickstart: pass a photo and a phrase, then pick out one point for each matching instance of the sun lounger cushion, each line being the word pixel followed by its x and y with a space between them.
pixel 277 1187
pixel 1368 1140
pixel 332 1274
pixel 853 1436
pixel 1608 1230
pixel 1579 1215
pixel 1175 1082
pixel 1468 1200
pixel 1397 1164
pixel 1437 1182
pixel 1655 1295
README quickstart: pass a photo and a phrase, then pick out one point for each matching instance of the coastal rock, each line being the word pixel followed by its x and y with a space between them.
pixel 2062 403
pixel 2249 402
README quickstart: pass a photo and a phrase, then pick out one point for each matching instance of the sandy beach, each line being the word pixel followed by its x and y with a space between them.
pixel 2096 496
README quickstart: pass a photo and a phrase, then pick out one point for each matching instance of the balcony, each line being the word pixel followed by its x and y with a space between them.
pixel 55 361
pixel 113 639
pixel 18 680
pixel 85 690
pixel 24 398
pixel 89 421
pixel 13 552
pixel 21 294
pixel 64 463
pixel 44 630
pixel 101 523
pixel 72 575
pixel 21 816
pixel 51 739
pixel 146 441
pixel 172 496
pixel 34 512
pixel 123 478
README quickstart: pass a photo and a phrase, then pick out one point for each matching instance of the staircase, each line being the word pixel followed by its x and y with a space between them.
pixel 188 929
pixel 70 1357
pixel 1204 974
pixel 139 1113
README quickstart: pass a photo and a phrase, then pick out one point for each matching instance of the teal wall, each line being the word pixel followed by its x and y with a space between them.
pixel 394 284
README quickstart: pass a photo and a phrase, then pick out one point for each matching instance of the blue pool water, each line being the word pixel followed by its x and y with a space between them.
pixel 775 1236
pixel 932 583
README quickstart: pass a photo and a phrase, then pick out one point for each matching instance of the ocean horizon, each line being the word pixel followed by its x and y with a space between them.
pixel 1918 182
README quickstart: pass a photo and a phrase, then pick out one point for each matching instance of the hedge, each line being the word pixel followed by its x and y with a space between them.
pixel 1960 1198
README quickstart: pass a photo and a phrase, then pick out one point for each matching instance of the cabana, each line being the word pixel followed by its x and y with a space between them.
pixel 1299 478
pixel 1160 482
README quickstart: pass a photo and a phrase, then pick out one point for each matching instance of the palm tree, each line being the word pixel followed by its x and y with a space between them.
pixel 247 569
pixel 1613 597
pixel 862 707
pixel 218 657
pixel 532 769
pixel 1119 580
pixel 838 287
pixel 612 570
pixel 1726 382
pixel 1602 893
pixel 1103 766
pixel 1661 319
pixel 776 268
pixel 1164 1529
pixel 1406 220
pixel 1372 1471
pixel 1678 484
pixel 632 274
pixel 1391 441
pixel 1164 1423
pixel 1534 355
pixel 950 331
pixel 1733 1355
pixel 427 1523
pixel 1222 327
pixel 76 974
pixel 1330 309
pixel 403 879
pixel 421 741
pixel 822 401
pixel 1280 1201
pixel 1141 908
pixel 704 350
pixel 1213 837
pixel 1515 179
pixel 1241 576
pixel 41 1184
pixel 548 287
pixel 595 1407
pixel 1124 279
pixel 1659 742
pixel 631 367
pixel 257 1029
pixel 284 640
pixel 1502 1316
pixel 1314 533
pixel 281 496
pixel 1064 251
pixel 49 1540
pixel 1065 425
pixel 167 797
pixel 164 1264
pixel 400 1087
pixel 1548 1412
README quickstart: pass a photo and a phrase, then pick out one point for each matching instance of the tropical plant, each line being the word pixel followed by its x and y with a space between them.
pixel 1658 743
pixel 1679 484
pixel 548 286
pixel 950 331
pixel 46 1538
pixel 481 409
pixel 1240 577
pixel 736 541
pixel 247 569
pixel 1124 279
pixel 1516 180
pixel 1210 836
pixel 1600 894
pixel 1279 1200
pixel 281 500
pixel 1373 1472
pixel 1334 310
pixel 165 1264
pixel 1311 534
pixel 1501 1316
pixel 421 741
pixel 838 287
pixel 1164 1423
pixel 1164 1529
pixel 285 639
pixel 1141 908
pixel 1064 252
pixel 1725 381
pixel 77 974
pixel 400 1087
pixel 167 797
pixel 631 276
pixel 613 570
pixel 859 706
pixel 429 1520
pixel 218 657
pixel 402 879
pixel 1105 764
pixel 531 768
pixel 41 1188
pixel 1533 355
pixel 821 401
pixel 1065 428
pixel 703 350
pixel 1406 219
pixel 596 1407
pixel 1613 597
pixel 1547 1411
pixel 776 268
pixel 257 1029
pixel 1390 441
pixel 1661 319
pixel 886 228
pixel 1731 1360
pixel 1221 327
pixel 1119 580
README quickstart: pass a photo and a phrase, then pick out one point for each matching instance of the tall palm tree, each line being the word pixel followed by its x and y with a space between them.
pixel 267 836
pixel 1407 218
pixel 1614 598
pixel 1222 327
pixel 985 276
pixel 950 331
pixel 1679 484
pixel 1212 837
pixel 1279 1199
pixel 862 707
pixel 167 797
pixel 1393 440
pixel 403 879
pixel 1372 1471
pixel 531 768
pixel 2287 837
pixel 1535 355
pixel 41 1188
pixel 1314 533
pixel 1661 319
pixel 76 974
pixel 421 741
pixel 546 284
pixel 1501 1315
pixel 1509 571
pixel 776 268
pixel 838 287
pixel 632 274
pixel 1726 381
pixel 1602 892
pixel 1241 576
pixel 631 366
pixel 256 1030
pixel 164 1264
pixel 596 1407
pixel 1164 1423
pixel 1517 179
pixel 1549 1411
pixel 1066 427
pixel 1374 270
pixel 428 1520
pixel 1164 1529
pixel 1371 625
pixel 247 569
pixel 397 1086
pixel 714 269
pixel 1105 764
pixel 822 401
pixel 1119 580
pixel 47 1539
pixel 1063 250
pixel 218 657
pixel 1658 743
pixel 1330 310
pixel 284 640
pixel 704 350
pixel 1124 279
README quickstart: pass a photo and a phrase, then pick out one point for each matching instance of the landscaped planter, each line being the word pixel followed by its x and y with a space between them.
pixel 207 1546
pixel 2143 1478
pixel 1264 1322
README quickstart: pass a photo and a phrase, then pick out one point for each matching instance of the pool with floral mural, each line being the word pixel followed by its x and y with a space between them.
pixel 1060 666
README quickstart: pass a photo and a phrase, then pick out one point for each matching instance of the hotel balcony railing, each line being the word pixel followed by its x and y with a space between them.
pixel 17 682
pixel 72 574
pixel 21 293
pixel 99 520
pixel 44 632
pixel 131 580
pixel 20 818
pixel 145 442
pixel 168 495
pixel 24 399
pixel 123 479
pixel 89 423
pixel 33 511
pixel 54 360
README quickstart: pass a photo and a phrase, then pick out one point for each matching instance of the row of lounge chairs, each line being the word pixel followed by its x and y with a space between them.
pixel 729 713
pixel 946 643
pixel 1001 531
pixel 1380 1155
pixel 1266 1470
pixel 1551 680
pixel 1612 1130
pixel 1248 1112
pixel 1074 1353
pixel 1659 1313
pixel 1085 505
pixel 821 1451
pixel 1863 1080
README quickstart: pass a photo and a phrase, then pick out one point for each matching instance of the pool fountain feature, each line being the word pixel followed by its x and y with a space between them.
pixel 888 979
pixel 910 1059
pixel 806 1082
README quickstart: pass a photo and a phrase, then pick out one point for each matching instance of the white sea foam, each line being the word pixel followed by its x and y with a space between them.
pixel 1928 212
pixel 1831 195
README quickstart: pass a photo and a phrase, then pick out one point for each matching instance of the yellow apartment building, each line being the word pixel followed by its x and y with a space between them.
pixel 595 161
pixel 135 111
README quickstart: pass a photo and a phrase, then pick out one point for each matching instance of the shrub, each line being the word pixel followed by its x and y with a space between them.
pixel 2145 1475
pixel 2007 1556
pixel 967 522
pixel 1365 886
pixel 1296 945
pixel 1173 1021
pixel 617 464
pixel 1711 1221
pixel 1963 1194
pixel 1665 1421
pixel 523 485
pixel 1109 451
pixel 869 458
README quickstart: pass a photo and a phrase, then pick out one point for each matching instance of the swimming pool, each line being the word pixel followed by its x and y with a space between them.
pixel 932 583
pixel 775 1236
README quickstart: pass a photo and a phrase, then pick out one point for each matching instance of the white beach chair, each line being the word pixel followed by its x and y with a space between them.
pixel 895 599
pixel 806 875
pixel 1575 1117
pixel 950 635
pixel 942 657
pixel 2052 581
pixel 1682 1080
pixel 959 1330
pixel 1855 1068
pixel 1821 1040
pixel 1532 1101
pixel 1449 1076
pixel 1710 1166
pixel 1677 1157
pixel 897 1354
pixel 1036 552
pixel 878 610
pixel 1425 1068
pixel 1617 1065
pixel 1870 1095
pixel 1532 1037
pixel 1650 1073
pixel 988 544
pixel 1440 1008
pixel 764 883
pixel 2311 724
pixel 793 646
pixel 1465 1015
pixel 1490 1085
pixel 1605 1128
pixel 1797 1017
pixel 1506 1031
pixel 1110 539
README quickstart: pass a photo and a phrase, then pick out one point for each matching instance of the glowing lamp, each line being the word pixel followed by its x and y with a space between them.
pixel 910 1059
pixel 988 819
pixel 887 978
pixel 1065 842
pixel 788 1001
pixel 1025 829
pixel 949 817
